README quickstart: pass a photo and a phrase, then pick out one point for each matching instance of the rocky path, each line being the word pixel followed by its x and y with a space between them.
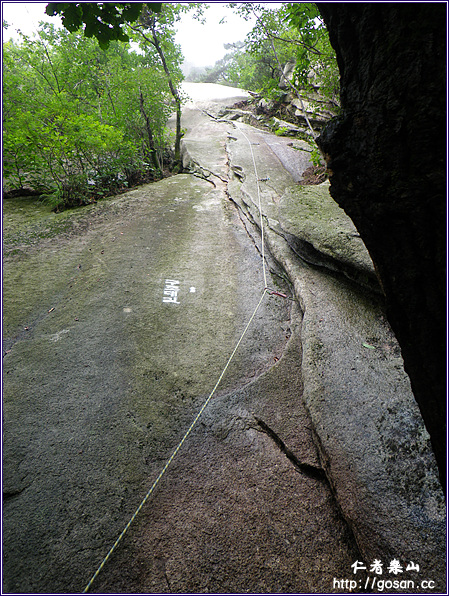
pixel 103 375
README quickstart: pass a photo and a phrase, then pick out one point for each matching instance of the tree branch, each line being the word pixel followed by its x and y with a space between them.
pixel 151 23
pixel 297 43
pixel 289 83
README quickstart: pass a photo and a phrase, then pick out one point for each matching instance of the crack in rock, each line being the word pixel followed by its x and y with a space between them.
pixel 307 469
pixel 199 171
pixel 7 495
pixel 238 172
pixel 246 219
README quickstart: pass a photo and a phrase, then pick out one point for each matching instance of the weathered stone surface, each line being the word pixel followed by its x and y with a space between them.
pixel 287 128
pixel 264 104
pixel 373 443
pixel 317 116
pixel 309 107
pixel 210 93
pixel 287 74
pixel 386 153
pixel 315 227
pixel 233 113
pixel 321 233
pixel 89 426
pixel 372 438
pixel 102 379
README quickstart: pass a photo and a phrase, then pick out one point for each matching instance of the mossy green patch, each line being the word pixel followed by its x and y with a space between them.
pixel 310 214
pixel 27 221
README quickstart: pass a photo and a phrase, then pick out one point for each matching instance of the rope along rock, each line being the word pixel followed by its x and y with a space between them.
pixel 203 407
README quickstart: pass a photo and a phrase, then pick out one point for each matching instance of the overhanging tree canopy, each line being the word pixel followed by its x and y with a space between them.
pixel 102 20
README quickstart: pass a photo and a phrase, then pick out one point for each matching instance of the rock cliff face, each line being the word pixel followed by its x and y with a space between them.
pixel 386 155
pixel 367 428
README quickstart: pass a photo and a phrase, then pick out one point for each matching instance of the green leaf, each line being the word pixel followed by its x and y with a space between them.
pixel 155 6
pixel 365 345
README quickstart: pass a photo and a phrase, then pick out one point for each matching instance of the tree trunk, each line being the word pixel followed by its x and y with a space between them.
pixel 175 95
pixel 387 162
pixel 150 22
pixel 153 152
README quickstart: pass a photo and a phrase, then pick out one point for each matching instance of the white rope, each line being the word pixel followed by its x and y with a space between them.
pixel 259 204
pixel 175 452
pixel 203 407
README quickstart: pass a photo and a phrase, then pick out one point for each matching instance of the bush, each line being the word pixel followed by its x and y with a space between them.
pixel 79 122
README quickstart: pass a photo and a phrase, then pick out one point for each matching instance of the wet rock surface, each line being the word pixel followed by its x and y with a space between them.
pixel 102 378
pixel 310 456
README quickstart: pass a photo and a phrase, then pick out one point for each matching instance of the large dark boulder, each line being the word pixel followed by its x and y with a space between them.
pixel 386 154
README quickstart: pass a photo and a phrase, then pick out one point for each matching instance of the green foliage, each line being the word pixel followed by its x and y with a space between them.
pixel 104 20
pixel 292 33
pixel 281 131
pixel 79 122
pixel 253 71
pixel 153 23
pixel 317 53
pixel 155 32
pixel 316 157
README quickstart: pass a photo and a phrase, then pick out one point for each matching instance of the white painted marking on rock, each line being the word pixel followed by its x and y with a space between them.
pixel 171 290
pixel 57 336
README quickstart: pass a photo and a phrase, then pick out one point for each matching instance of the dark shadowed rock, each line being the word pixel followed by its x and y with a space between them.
pixel 386 154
